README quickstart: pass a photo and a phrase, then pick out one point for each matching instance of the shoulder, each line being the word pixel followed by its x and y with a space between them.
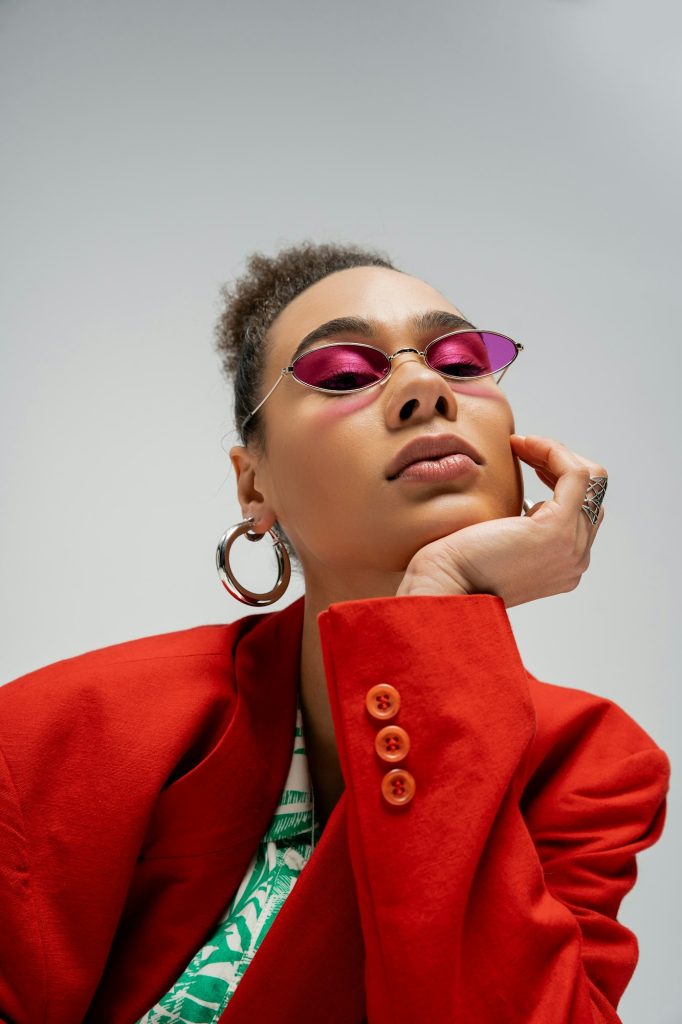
pixel 567 712
pixel 586 743
pixel 146 660
pixel 157 692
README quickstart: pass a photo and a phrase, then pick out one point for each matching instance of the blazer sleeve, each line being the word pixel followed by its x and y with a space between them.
pixel 22 960
pixel 471 912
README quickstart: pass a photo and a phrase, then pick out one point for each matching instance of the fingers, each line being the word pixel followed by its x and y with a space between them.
pixel 564 471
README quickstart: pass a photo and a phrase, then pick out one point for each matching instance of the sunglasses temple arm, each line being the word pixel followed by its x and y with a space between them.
pixel 254 411
pixel 502 374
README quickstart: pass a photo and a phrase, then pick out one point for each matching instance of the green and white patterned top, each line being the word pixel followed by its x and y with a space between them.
pixel 203 991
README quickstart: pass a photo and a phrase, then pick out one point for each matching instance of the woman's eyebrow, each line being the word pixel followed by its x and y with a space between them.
pixel 420 323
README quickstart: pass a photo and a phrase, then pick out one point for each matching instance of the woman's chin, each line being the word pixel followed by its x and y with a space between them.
pixel 403 545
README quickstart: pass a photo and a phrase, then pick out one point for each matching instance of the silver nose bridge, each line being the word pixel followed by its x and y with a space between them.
pixel 401 350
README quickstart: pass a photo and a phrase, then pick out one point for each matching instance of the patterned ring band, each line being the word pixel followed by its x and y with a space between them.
pixel 594 497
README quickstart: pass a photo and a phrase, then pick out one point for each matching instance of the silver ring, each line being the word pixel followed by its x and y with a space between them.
pixel 594 497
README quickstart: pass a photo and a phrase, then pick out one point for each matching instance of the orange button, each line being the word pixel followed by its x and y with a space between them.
pixel 383 701
pixel 398 786
pixel 392 743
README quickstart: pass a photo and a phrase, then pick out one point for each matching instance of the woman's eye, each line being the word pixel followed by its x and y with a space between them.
pixel 463 369
pixel 345 380
pixel 341 367
pixel 460 356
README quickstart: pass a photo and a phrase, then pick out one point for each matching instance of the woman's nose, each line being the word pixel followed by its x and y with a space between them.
pixel 415 389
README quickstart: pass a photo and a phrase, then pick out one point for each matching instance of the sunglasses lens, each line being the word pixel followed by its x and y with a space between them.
pixel 341 367
pixel 471 353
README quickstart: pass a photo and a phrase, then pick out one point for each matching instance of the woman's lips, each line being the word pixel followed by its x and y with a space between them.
pixel 450 467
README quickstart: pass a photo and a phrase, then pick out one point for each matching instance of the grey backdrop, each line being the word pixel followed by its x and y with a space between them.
pixel 521 155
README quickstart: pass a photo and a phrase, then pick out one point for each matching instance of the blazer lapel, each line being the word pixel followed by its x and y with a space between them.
pixel 207 824
pixel 227 799
pixel 310 965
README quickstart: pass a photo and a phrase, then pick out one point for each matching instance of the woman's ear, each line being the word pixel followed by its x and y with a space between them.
pixel 252 501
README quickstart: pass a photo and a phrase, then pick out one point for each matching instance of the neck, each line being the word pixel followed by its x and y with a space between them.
pixel 320 738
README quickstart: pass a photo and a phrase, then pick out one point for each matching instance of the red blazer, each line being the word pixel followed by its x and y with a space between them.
pixel 137 781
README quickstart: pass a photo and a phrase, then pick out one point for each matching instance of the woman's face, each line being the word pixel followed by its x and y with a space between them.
pixel 324 475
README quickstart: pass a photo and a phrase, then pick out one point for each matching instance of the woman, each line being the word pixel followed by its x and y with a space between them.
pixel 363 798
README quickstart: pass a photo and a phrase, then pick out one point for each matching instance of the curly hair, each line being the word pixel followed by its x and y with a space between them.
pixel 252 303
pixel 254 300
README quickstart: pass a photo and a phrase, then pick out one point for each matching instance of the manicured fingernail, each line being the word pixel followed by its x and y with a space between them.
pixel 521 437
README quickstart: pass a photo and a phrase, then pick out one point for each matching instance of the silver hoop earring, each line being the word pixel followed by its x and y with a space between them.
pixel 228 577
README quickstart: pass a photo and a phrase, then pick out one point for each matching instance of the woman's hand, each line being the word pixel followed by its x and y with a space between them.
pixel 521 558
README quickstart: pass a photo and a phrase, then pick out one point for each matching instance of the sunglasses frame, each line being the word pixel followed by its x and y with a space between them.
pixel 289 370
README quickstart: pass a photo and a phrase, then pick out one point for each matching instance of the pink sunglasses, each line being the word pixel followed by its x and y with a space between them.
pixel 340 368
